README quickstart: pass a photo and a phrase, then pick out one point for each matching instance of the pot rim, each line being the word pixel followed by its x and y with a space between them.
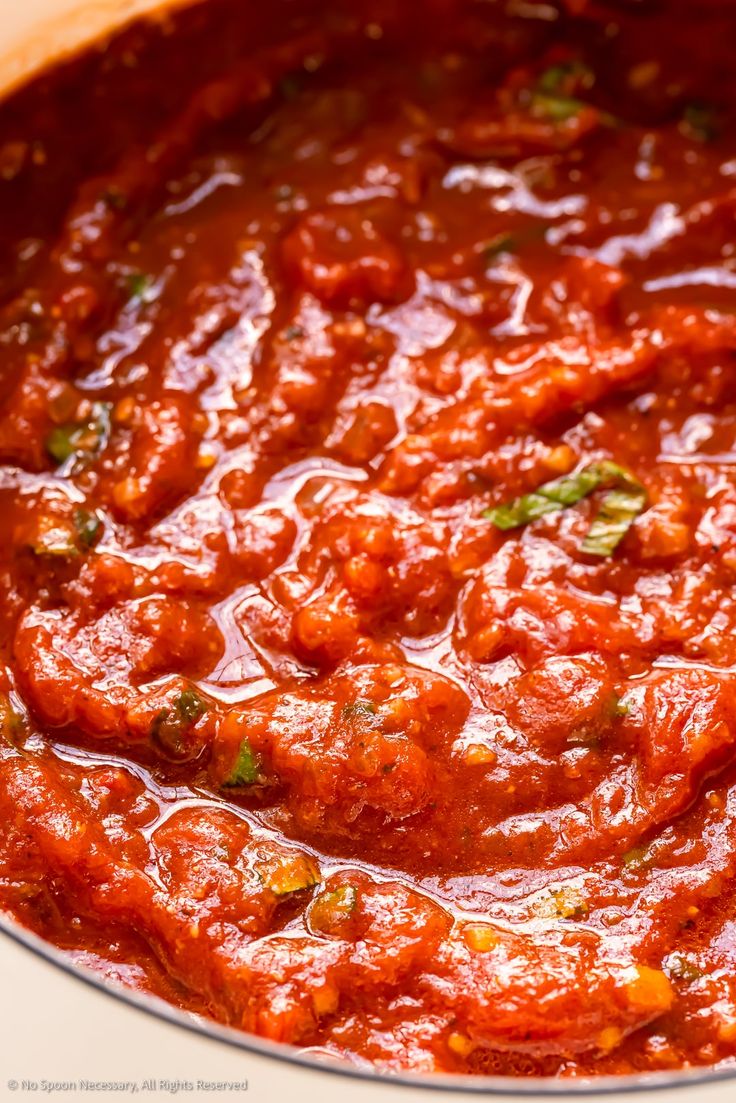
pixel 555 1088
pixel 57 40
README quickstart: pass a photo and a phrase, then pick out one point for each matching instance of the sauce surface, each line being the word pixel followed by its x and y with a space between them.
pixel 369 526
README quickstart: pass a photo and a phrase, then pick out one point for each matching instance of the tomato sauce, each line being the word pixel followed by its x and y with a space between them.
pixel 369 526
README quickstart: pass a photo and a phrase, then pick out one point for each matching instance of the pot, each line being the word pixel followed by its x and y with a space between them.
pixel 106 1033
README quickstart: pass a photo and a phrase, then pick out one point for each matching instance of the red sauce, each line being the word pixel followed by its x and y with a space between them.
pixel 318 716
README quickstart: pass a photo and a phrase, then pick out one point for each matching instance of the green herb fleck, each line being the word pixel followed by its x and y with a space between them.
pixel 636 858
pixel 557 108
pixel 114 199
pixel 680 967
pixel 189 706
pixel 557 93
pixel 81 439
pixel 171 725
pixel 60 442
pixel 293 333
pixel 700 121
pixel 89 528
pixel 246 770
pixel 502 245
pixel 139 286
pixel 565 78
pixel 621 707
pixel 507 244
pixel 553 79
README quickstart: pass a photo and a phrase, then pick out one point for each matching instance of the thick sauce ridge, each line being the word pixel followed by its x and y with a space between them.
pixel 369 526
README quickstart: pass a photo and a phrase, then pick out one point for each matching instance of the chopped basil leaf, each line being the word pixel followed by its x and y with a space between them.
pixel 683 968
pixel 79 439
pixel 139 286
pixel 60 442
pixel 504 243
pixel 557 93
pixel 507 244
pixel 549 498
pixel 246 770
pixel 553 79
pixel 190 706
pixel 618 510
pixel 293 333
pixel 171 725
pixel 566 78
pixel 89 528
pixel 557 108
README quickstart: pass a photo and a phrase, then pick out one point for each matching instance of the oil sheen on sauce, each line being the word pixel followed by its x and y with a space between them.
pixel 369 526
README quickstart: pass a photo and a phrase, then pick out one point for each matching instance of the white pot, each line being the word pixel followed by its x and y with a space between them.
pixel 33 32
pixel 54 1026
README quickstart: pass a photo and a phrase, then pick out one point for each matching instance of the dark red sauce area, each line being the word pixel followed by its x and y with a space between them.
pixel 310 722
